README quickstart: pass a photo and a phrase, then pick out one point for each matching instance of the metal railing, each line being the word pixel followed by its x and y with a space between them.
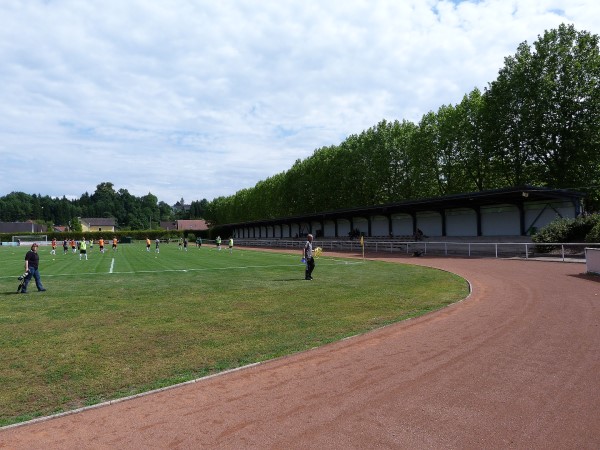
pixel 554 250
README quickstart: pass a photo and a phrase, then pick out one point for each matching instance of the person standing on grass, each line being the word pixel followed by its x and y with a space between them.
pixel 218 242
pixel 101 244
pixel 157 249
pixel 53 251
pixel 185 244
pixel 115 241
pixel 307 257
pixel 230 244
pixel 65 247
pixel 32 263
pixel 83 249
pixel 147 244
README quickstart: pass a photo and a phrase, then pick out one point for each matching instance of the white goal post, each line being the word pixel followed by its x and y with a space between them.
pixel 29 239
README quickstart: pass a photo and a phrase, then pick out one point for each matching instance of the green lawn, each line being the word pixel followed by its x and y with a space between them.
pixel 127 322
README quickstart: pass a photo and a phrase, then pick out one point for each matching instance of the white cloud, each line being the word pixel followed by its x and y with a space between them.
pixel 201 99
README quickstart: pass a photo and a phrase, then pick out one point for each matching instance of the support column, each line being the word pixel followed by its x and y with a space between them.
pixel 478 215
pixel 521 207
pixel 443 214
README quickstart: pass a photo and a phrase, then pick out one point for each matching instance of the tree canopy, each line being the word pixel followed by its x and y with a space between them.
pixel 537 124
pixel 129 211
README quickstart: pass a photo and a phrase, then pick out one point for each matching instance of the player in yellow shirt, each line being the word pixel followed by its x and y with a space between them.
pixel 83 249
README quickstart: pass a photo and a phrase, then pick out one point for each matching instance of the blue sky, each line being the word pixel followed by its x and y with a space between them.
pixel 198 99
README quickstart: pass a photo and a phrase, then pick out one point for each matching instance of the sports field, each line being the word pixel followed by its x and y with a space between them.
pixel 130 321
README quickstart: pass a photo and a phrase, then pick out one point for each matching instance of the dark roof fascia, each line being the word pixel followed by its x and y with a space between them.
pixel 468 200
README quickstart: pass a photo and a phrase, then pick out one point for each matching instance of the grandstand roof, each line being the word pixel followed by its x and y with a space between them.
pixel 469 200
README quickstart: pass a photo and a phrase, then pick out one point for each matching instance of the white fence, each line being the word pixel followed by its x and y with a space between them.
pixel 525 250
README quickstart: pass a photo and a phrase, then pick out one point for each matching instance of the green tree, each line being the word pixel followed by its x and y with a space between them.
pixel 565 77
pixel 543 112
pixel 76 225
pixel 196 210
pixel 473 155
pixel 165 211
pixel 427 175
pixel 150 210
pixel 509 120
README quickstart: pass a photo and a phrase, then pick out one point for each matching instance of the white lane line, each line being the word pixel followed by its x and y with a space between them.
pixel 112 264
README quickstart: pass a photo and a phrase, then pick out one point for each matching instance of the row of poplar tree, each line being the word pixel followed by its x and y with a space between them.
pixel 537 124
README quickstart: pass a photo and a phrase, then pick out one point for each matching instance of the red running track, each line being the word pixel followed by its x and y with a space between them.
pixel 515 365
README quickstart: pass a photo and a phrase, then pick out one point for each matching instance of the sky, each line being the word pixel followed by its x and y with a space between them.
pixel 199 99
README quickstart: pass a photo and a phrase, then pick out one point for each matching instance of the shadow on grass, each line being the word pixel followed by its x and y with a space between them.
pixel 29 292
pixel 291 279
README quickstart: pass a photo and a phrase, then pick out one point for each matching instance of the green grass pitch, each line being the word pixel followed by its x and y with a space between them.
pixel 130 321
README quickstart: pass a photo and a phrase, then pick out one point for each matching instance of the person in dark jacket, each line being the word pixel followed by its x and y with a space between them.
pixel 32 264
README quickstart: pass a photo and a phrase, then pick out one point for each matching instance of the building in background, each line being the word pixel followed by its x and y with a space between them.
pixel 195 225
pixel 97 224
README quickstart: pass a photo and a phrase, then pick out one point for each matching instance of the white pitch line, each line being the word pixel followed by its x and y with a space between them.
pixel 112 264
pixel 203 269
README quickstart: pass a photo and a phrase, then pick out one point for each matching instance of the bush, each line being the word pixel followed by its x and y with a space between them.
pixel 594 234
pixel 584 225
pixel 555 231
pixel 581 229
